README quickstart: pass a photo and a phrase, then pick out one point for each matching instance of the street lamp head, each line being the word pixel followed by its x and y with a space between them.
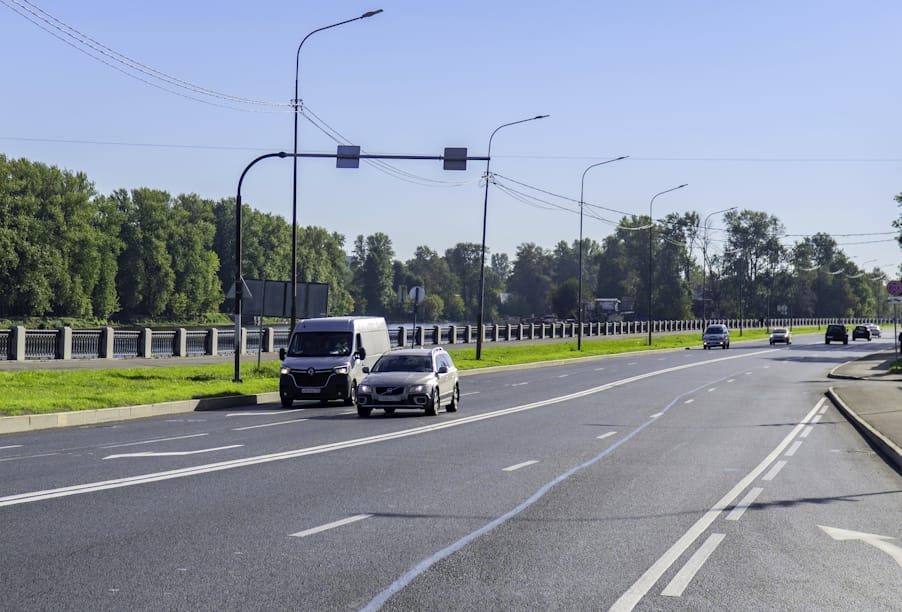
pixel 541 116
pixel 370 13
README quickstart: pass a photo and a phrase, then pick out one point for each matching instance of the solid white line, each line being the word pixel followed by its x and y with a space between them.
pixel 153 441
pixel 775 470
pixel 33 496
pixel 274 424
pixel 685 575
pixel 13 446
pixel 328 526
pixel 646 581
pixel 173 453
pixel 742 506
pixel 606 435
pixel 807 431
pixel 519 465
pixel 792 449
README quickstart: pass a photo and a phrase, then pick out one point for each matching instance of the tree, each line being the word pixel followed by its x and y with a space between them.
pixel 464 261
pixel 373 273
pixel 565 298
pixel 530 279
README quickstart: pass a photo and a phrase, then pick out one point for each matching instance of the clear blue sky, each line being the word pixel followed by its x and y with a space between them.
pixel 791 108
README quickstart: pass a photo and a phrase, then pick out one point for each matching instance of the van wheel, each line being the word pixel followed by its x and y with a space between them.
pixel 455 400
pixel 433 404
pixel 351 399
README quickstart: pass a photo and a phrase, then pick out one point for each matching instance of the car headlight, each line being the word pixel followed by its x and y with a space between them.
pixel 417 389
pixel 364 389
pixel 284 371
pixel 342 369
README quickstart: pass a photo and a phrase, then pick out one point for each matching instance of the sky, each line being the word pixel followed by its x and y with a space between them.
pixel 788 108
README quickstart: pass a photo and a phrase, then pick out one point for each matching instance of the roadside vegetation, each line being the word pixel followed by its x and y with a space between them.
pixel 37 391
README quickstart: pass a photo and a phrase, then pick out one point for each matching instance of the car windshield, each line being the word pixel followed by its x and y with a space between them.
pixel 403 363
pixel 714 329
pixel 320 344
pixel 779 331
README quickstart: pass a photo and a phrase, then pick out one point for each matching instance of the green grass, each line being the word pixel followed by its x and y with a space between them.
pixel 44 391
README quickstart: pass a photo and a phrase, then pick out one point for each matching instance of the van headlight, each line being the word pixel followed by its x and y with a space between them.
pixel 417 389
pixel 284 370
pixel 342 369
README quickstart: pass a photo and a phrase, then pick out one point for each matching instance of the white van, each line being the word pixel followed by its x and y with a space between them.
pixel 325 357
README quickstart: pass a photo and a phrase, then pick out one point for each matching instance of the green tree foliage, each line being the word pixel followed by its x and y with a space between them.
pixel 464 262
pixel 372 268
pixel 530 280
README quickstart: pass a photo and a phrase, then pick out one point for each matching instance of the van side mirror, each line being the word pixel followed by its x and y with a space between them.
pixel 361 353
pixel 282 353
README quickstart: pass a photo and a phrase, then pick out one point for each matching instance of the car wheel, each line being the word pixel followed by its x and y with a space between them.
pixel 351 399
pixel 433 404
pixel 286 402
pixel 455 400
pixel 363 412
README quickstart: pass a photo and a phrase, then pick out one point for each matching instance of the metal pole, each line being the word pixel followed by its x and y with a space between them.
pixel 294 183
pixel 579 299
pixel 485 211
pixel 705 263
pixel 651 227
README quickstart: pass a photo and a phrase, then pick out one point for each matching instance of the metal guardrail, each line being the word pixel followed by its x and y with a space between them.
pixel 65 343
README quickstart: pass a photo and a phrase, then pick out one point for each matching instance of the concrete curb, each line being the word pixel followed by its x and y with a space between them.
pixel 889 450
pixel 79 418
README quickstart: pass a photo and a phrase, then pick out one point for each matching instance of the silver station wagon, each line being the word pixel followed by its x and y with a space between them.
pixel 410 379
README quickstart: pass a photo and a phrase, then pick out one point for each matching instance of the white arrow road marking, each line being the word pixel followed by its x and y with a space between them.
pixel 153 441
pixel 685 575
pixel 519 465
pixel 328 526
pixel 877 541
pixel 273 424
pixel 173 453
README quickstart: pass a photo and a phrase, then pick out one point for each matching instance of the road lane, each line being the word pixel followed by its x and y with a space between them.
pixel 223 539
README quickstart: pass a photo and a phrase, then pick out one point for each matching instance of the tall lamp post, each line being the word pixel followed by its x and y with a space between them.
pixel 651 227
pixel 705 263
pixel 294 185
pixel 579 299
pixel 485 210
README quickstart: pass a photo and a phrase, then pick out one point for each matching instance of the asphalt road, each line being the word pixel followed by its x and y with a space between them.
pixel 677 480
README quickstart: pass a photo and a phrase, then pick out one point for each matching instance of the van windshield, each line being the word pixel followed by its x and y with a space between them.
pixel 320 344
pixel 714 329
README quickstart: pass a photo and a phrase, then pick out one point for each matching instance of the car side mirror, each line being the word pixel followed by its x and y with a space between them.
pixel 443 370
pixel 366 369
pixel 282 353
pixel 361 353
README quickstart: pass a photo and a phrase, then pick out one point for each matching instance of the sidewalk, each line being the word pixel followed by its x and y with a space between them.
pixel 871 398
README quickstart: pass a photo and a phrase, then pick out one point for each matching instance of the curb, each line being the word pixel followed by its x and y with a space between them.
pixel 80 418
pixel 886 447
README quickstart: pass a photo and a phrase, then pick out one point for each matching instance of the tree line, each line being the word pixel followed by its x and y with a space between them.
pixel 67 251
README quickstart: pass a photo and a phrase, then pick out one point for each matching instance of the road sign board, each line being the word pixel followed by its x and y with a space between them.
pixel 895 299
pixel 894 287
pixel 417 294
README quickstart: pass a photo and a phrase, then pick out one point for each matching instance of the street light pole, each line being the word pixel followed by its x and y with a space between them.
pixel 651 227
pixel 485 210
pixel 579 299
pixel 705 263
pixel 296 103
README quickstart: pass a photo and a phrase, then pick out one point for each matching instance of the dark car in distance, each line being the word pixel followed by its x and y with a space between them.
pixel 836 333
pixel 861 331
